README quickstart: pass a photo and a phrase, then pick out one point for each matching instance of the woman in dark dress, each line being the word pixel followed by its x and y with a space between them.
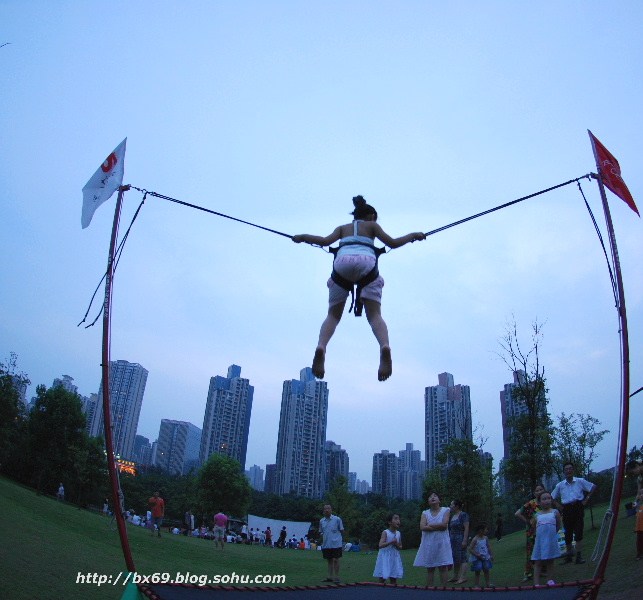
pixel 459 534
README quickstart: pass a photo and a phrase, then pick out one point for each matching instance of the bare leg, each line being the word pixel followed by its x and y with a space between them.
pixel 429 576
pixel 537 569
pixel 550 569
pixel 462 577
pixel 443 573
pixel 336 569
pixel 380 330
pixel 325 333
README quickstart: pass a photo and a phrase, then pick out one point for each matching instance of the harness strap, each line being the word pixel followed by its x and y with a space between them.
pixel 355 288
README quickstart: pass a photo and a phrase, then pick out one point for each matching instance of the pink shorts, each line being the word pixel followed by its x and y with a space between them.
pixel 353 267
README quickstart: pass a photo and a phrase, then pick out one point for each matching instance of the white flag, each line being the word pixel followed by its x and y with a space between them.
pixel 107 179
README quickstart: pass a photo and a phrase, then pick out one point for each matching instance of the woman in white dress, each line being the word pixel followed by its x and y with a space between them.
pixel 435 547
pixel 389 562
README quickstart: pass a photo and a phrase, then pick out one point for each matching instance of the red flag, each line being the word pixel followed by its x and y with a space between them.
pixel 610 172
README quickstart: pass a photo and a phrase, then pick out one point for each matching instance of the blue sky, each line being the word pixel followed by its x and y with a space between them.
pixel 278 113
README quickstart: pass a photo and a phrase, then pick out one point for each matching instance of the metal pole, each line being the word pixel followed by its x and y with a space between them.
pixel 625 382
pixel 107 414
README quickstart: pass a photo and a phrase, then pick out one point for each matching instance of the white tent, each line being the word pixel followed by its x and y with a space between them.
pixel 298 529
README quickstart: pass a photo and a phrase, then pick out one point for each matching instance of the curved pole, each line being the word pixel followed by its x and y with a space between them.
pixel 617 489
pixel 107 413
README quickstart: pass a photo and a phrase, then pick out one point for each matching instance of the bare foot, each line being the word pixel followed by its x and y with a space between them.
pixel 318 363
pixel 386 364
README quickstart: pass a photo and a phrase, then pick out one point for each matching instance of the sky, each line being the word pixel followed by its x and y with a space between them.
pixel 278 113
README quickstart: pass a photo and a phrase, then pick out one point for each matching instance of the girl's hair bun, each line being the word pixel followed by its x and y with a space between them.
pixel 359 201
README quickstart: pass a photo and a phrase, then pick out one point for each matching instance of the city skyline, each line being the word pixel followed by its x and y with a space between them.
pixel 278 114
pixel 454 413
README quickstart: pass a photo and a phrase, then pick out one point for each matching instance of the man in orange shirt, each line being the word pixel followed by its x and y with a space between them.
pixel 157 506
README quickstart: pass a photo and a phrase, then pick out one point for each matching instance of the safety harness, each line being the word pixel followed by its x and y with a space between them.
pixel 355 288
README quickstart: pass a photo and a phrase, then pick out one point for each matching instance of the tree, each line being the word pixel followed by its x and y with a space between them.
pixel 57 437
pixel 576 438
pixel 222 486
pixel 530 444
pixel 343 503
pixel 12 415
pixel 468 478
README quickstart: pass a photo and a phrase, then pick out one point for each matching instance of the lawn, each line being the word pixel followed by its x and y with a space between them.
pixel 47 544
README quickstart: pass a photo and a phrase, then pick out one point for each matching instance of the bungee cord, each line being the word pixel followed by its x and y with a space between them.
pixel 213 212
pixel 330 250
pixel 486 212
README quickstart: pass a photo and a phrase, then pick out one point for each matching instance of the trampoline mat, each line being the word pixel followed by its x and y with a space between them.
pixel 366 591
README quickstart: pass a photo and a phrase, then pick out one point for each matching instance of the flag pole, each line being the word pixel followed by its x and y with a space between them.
pixel 107 413
pixel 617 488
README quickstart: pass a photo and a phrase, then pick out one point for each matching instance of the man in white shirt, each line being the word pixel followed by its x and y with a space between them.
pixel 331 529
pixel 571 496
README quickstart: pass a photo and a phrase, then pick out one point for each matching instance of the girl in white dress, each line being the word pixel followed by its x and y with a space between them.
pixel 435 547
pixel 389 562
pixel 546 523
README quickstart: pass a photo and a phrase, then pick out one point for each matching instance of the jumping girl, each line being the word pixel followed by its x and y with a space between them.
pixel 356 263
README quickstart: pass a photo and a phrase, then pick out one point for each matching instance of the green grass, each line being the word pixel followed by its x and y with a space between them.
pixel 45 544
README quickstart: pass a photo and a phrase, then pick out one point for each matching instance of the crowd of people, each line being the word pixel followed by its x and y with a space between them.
pixel 449 542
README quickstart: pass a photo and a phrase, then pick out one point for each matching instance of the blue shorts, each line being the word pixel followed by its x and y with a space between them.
pixel 478 565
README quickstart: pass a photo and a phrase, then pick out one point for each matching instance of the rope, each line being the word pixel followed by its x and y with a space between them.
pixel 119 252
pixel 600 237
pixel 601 540
pixel 212 212
pixel 486 212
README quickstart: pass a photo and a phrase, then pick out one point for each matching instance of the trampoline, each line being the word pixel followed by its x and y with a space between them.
pixel 579 590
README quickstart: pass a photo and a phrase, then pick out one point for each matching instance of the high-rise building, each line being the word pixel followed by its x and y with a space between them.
pixel 178 447
pixel 352 481
pixel 335 464
pixel 126 388
pixel 386 474
pixel 301 437
pixel 411 473
pixel 447 416
pixel 227 417
pixel 270 481
pixel 512 406
pixel 90 406
pixel 19 383
pixel 142 450
pixel 67 383
pixel 362 486
pixel 255 477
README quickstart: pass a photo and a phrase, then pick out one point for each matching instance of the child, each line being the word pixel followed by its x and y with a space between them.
pixel 389 562
pixel 481 555
pixel 639 525
pixel 546 524
pixel 356 263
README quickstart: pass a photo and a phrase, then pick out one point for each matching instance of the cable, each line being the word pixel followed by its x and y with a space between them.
pixel 486 212
pixel 212 212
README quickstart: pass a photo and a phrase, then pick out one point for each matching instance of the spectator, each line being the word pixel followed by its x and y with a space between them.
pixel 331 529
pixel 283 534
pixel 389 563
pixel 525 513
pixel 459 538
pixel 157 506
pixel 572 494
pixel 220 525
pixel 435 547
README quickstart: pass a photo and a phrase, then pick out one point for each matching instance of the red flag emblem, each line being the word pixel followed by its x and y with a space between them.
pixel 610 172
